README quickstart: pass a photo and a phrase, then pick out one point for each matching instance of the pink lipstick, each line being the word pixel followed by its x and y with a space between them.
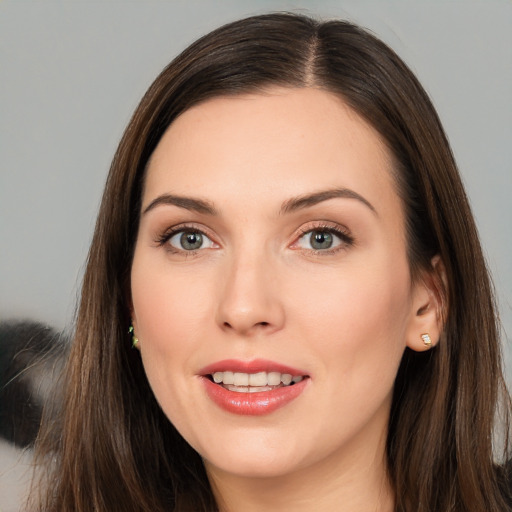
pixel 252 387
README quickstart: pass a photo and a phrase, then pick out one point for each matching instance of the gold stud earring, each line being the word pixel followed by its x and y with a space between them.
pixel 427 341
pixel 135 340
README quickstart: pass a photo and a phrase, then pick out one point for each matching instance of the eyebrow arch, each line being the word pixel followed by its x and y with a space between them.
pixel 305 201
pixel 188 203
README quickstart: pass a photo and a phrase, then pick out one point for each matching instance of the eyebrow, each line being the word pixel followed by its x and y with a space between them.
pixel 305 201
pixel 291 205
pixel 188 203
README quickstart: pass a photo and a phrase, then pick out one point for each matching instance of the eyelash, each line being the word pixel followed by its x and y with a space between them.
pixel 164 238
pixel 347 240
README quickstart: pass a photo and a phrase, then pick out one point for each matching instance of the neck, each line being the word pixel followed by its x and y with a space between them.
pixel 342 482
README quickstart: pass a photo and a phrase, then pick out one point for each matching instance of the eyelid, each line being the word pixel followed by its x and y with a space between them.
pixel 163 238
pixel 341 232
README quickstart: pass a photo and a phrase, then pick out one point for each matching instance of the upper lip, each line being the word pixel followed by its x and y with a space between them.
pixel 253 366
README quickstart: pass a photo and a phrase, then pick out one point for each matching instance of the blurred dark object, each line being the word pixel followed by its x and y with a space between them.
pixel 31 357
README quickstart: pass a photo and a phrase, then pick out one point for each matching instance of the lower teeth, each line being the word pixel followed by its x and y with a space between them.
pixel 249 389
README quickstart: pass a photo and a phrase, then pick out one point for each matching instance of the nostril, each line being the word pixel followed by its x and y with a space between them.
pixel 262 324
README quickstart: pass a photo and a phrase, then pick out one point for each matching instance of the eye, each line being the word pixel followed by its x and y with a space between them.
pixel 323 239
pixel 189 240
pixel 318 240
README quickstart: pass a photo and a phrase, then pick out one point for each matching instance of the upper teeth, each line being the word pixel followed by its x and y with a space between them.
pixel 255 379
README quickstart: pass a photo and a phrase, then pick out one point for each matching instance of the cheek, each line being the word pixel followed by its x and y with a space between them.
pixel 170 311
pixel 354 332
pixel 167 304
pixel 359 323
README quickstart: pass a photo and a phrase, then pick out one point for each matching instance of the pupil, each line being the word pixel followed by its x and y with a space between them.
pixel 191 241
pixel 321 240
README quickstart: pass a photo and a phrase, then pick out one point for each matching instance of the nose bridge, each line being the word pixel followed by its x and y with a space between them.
pixel 249 301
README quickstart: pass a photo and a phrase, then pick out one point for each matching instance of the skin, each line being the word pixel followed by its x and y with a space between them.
pixel 258 290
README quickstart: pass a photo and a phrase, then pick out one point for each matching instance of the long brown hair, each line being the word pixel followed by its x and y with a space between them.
pixel 114 450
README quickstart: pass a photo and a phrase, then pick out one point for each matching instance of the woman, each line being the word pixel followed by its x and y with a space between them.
pixel 286 238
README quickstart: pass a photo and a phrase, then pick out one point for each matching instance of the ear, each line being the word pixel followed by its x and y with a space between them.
pixel 428 307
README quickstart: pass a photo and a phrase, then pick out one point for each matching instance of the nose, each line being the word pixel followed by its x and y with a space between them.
pixel 250 301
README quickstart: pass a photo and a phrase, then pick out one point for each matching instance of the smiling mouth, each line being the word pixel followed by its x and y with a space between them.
pixel 254 382
pixel 264 387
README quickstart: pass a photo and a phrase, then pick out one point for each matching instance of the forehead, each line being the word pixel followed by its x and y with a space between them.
pixel 265 147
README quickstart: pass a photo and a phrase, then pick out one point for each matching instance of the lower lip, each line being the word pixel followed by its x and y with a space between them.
pixel 253 404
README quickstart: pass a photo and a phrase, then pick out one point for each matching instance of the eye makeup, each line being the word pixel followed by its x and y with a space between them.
pixel 319 238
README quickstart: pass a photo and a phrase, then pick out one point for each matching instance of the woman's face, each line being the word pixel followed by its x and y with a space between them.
pixel 271 246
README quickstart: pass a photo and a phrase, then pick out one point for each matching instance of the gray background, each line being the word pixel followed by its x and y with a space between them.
pixel 72 72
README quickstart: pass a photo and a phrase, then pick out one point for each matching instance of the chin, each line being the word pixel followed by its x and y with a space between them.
pixel 251 456
pixel 248 467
